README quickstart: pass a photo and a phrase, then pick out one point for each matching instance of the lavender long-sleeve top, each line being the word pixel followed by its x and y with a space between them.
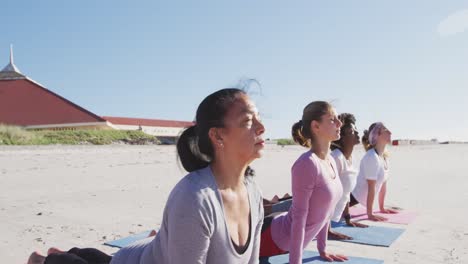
pixel 315 195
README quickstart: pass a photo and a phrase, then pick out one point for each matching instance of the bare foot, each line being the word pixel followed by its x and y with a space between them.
pixel 36 258
pixel 152 233
pixel 54 250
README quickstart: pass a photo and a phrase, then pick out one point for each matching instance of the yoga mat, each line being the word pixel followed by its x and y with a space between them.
pixel 314 257
pixel 404 217
pixel 122 242
pixel 372 235
pixel 281 206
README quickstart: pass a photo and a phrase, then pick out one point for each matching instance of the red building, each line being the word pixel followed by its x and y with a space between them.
pixel 26 103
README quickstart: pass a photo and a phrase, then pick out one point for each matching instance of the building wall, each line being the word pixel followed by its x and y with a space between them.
pixel 155 131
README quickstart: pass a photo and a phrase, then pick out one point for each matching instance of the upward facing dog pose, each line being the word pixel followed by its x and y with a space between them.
pixel 316 189
pixel 215 212
pixel 373 172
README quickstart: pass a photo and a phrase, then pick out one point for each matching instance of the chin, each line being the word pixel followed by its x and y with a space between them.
pixel 259 154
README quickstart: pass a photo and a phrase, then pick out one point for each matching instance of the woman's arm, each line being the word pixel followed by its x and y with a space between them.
pixel 304 176
pixel 370 202
pixel 347 218
pixel 383 192
pixel 189 230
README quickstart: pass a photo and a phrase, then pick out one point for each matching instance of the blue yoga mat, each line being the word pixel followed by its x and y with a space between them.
pixel 314 257
pixel 120 243
pixel 372 235
pixel 281 206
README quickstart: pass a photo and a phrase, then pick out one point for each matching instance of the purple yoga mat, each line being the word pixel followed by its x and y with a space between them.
pixel 404 217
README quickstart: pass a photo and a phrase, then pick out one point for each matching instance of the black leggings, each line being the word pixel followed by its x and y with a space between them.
pixel 79 256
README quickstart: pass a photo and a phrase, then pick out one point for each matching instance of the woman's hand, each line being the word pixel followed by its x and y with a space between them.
pixel 376 218
pixel 338 236
pixel 356 224
pixel 388 211
pixel 332 257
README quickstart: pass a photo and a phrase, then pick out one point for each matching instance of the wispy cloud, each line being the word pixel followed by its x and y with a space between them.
pixel 454 23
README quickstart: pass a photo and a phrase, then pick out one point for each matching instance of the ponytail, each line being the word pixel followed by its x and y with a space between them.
pixel 297 132
pixel 189 154
pixel 365 140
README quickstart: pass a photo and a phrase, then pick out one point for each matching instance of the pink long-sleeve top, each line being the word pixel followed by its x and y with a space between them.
pixel 315 194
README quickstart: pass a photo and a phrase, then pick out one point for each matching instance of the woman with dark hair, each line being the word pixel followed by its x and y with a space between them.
pixel 214 213
pixel 316 189
pixel 373 171
pixel 342 150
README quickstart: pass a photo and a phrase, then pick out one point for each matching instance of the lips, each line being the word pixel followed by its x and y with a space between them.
pixel 260 142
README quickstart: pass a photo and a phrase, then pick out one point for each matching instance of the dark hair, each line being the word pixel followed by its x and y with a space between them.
pixel 194 145
pixel 347 119
pixel 312 112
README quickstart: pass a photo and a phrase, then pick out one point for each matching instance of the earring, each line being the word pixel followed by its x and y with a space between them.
pixel 220 143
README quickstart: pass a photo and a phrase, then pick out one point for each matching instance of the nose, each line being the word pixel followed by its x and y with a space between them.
pixel 339 124
pixel 260 129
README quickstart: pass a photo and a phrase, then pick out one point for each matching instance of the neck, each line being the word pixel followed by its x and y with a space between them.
pixel 228 175
pixel 321 148
pixel 347 151
pixel 380 148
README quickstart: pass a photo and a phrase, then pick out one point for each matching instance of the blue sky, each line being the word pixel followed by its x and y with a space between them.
pixel 401 62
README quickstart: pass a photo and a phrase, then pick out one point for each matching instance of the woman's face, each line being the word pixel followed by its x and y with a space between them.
pixel 385 136
pixel 243 130
pixel 329 126
pixel 350 136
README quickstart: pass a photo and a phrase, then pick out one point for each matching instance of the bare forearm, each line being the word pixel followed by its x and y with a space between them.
pixel 382 193
pixel 370 200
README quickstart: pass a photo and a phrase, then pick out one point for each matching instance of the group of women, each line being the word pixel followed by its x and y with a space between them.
pixel 215 214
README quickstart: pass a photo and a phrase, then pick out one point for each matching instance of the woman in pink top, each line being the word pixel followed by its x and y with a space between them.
pixel 316 189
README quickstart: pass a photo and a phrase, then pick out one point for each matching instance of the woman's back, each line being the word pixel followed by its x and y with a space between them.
pixel 193 229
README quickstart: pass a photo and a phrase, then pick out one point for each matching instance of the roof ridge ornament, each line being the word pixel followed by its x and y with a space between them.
pixel 11 67
pixel 11 72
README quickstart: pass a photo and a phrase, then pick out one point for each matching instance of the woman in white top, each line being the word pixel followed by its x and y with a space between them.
pixel 342 150
pixel 373 171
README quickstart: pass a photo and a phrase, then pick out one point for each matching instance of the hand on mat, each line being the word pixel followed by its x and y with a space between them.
pixel 338 236
pixel 389 211
pixel 356 224
pixel 333 257
pixel 376 218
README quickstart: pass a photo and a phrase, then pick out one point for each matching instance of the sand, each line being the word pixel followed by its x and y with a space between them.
pixel 81 196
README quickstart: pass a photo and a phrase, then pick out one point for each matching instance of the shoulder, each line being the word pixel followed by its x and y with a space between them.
pixel 305 168
pixel 337 154
pixel 306 159
pixel 196 190
pixel 370 157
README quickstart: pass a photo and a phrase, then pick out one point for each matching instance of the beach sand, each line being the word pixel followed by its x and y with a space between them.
pixel 67 196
